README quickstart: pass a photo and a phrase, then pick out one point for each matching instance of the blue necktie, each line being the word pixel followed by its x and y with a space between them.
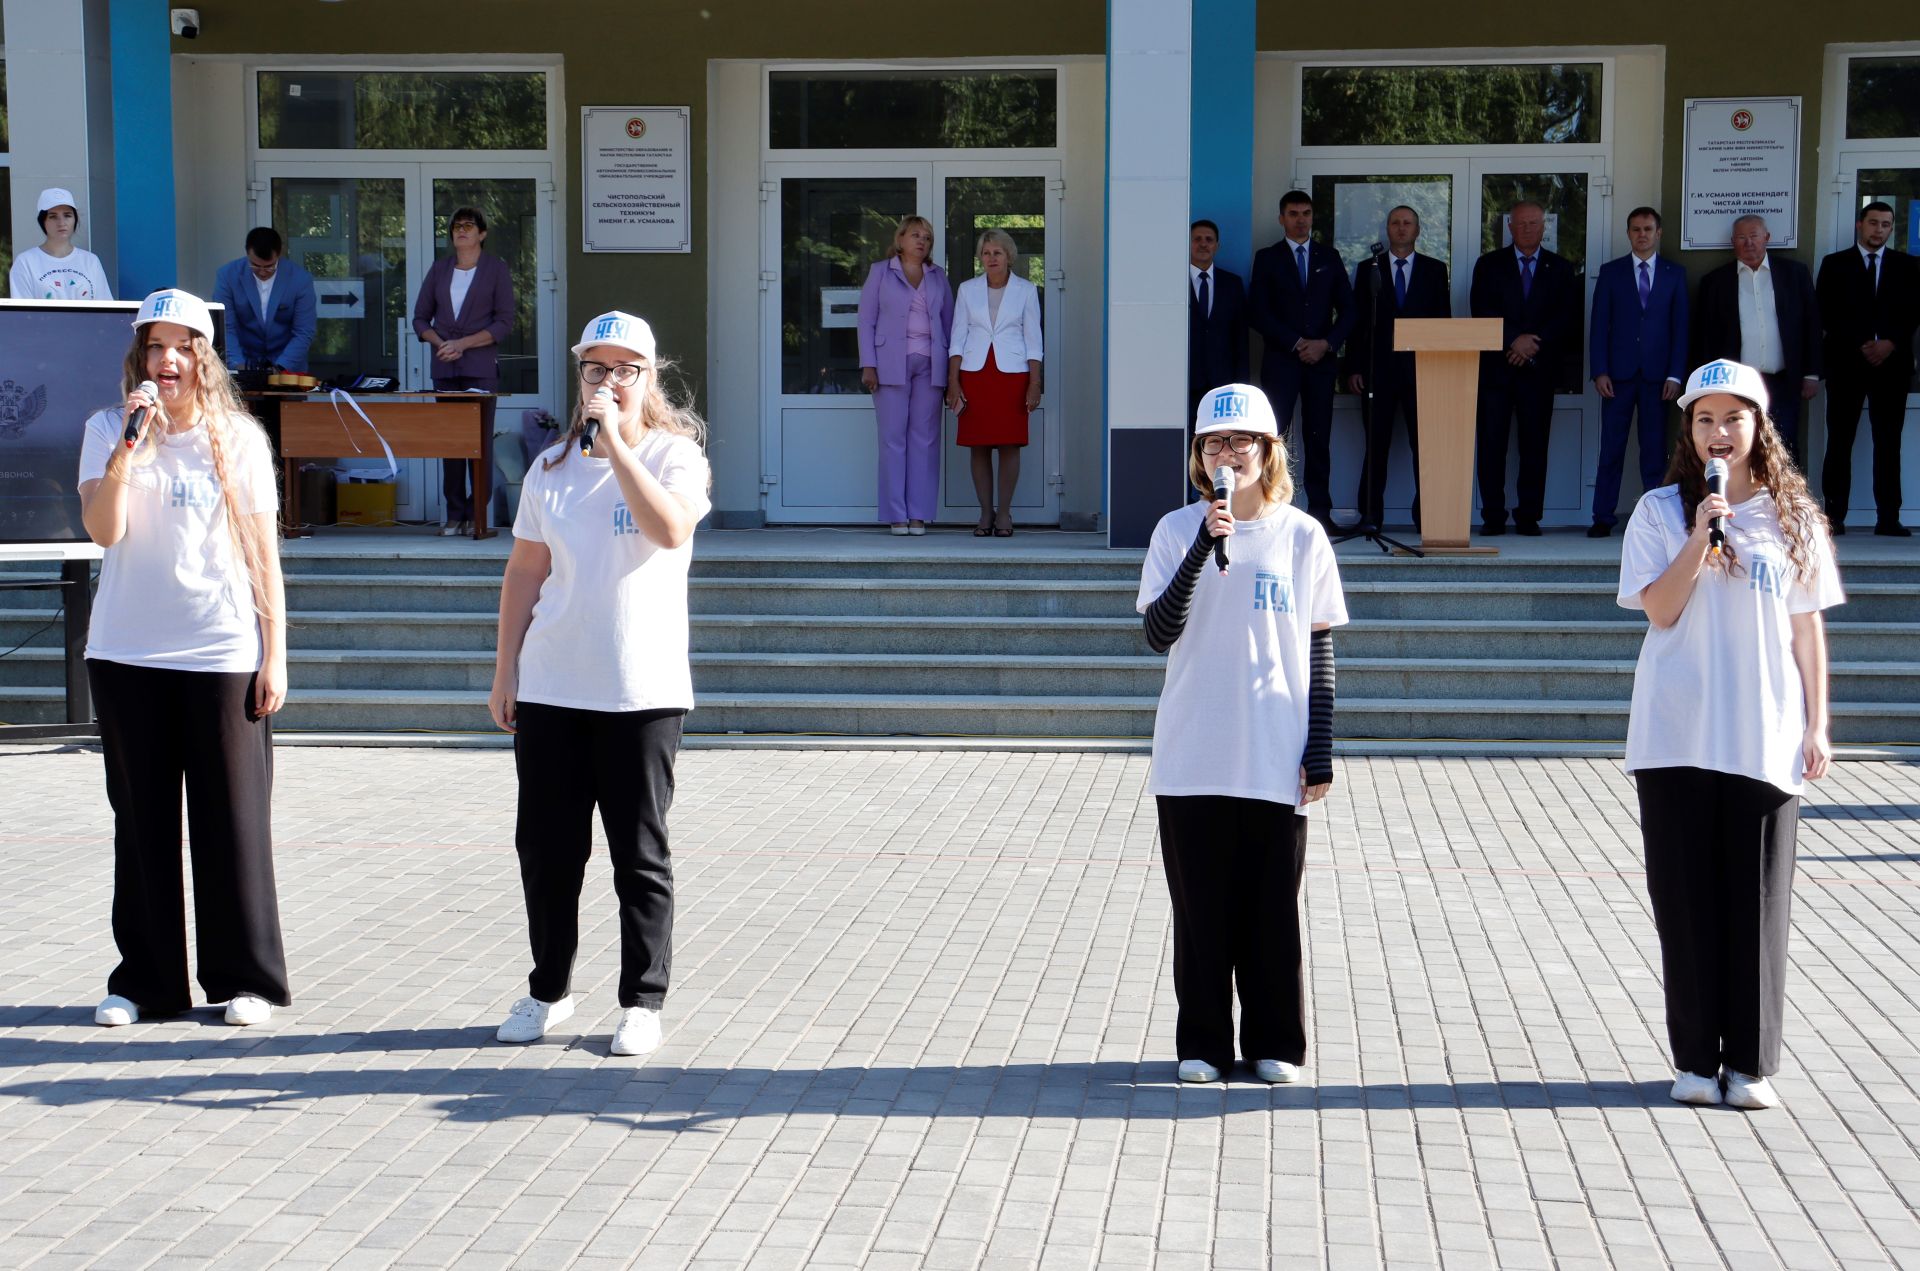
pixel 1300 258
pixel 1526 277
pixel 1646 285
pixel 1400 283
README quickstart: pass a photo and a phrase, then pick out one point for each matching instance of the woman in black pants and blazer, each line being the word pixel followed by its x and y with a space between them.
pixel 465 311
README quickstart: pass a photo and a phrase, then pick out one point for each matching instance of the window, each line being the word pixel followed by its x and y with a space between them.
pixel 403 110
pixel 904 110
pixel 1883 97
pixel 1465 105
pixel 6 180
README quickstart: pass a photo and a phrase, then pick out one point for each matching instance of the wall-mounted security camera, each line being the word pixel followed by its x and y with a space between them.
pixel 186 23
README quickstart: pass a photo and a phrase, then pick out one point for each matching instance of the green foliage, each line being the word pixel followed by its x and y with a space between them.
pixel 403 110
pixel 1450 105
pixel 1883 97
pixel 883 110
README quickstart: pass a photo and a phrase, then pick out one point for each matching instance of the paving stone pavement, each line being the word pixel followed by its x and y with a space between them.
pixel 922 1017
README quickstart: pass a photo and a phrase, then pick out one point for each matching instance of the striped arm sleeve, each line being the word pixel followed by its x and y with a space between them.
pixel 1166 617
pixel 1318 759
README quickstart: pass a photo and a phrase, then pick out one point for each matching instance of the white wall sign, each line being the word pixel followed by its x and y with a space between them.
pixel 340 297
pixel 635 179
pixel 1742 158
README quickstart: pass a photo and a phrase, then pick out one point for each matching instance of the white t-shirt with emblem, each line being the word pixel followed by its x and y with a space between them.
pixel 174 592
pixel 78 275
pixel 1719 689
pixel 609 630
pixel 1233 712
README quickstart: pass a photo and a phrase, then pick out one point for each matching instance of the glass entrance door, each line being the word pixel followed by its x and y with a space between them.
pixel 1891 177
pixel 367 232
pixel 824 227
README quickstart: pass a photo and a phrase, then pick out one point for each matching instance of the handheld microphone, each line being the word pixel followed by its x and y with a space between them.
pixel 591 432
pixel 1223 479
pixel 139 417
pixel 1716 484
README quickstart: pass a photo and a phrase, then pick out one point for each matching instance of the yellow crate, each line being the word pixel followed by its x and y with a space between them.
pixel 367 503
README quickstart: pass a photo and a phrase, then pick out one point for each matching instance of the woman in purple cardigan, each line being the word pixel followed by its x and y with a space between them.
pixel 465 309
pixel 906 309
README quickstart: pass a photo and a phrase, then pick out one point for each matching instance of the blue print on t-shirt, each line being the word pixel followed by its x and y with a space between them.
pixel 195 492
pixel 1766 574
pixel 623 521
pixel 1272 592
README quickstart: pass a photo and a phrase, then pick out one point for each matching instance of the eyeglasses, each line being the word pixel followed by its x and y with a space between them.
pixel 463 225
pixel 1240 441
pixel 623 374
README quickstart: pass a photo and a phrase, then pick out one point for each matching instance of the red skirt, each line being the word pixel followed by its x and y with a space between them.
pixel 996 409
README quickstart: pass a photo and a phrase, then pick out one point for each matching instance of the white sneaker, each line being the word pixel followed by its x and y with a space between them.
pixel 115 1011
pixel 1691 1087
pixel 898 529
pixel 638 1032
pixel 246 1008
pixel 1198 1070
pixel 1755 1094
pixel 1276 1072
pixel 530 1018
pixel 916 528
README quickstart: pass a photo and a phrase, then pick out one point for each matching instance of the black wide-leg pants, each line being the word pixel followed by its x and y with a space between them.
pixel 158 729
pixel 569 761
pixel 1234 868
pixel 1720 857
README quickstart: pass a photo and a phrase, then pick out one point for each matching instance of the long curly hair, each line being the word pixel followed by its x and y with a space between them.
pixel 1770 463
pixel 658 412
pixel 230 426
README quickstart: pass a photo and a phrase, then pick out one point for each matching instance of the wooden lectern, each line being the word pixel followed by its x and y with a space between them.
pixel 1446 358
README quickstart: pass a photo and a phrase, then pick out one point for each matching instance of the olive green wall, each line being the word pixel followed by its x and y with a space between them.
pixel 651 53
pixel 1772 48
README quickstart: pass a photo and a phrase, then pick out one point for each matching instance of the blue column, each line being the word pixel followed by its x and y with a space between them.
pixel 1223 49
pixel 143 146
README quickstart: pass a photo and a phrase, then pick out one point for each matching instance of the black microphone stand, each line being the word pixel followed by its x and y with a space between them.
pixel 1385 543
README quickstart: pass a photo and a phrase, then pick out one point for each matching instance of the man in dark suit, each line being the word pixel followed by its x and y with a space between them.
pixel 1302 305
pixel 1759 309
pixel 1638 348
pixel 1216 319
pixel 1870 305
pixel 1398 283
pixel 1536 295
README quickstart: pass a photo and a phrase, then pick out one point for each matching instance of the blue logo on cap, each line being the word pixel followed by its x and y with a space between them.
pixel 1715 373
pixel 1230 406
pixel 166 306
pixel 610 328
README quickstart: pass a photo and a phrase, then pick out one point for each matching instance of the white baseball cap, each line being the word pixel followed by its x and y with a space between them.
pixel 622 330
pixel 1235 408
pixel 53 196
pixel 1724 376
pixel 174 305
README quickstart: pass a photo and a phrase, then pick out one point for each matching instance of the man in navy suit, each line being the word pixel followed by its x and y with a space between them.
pixel 1638 347
pixel 1302 305
pixel 1536 295
pixel 1870 304
pixel 1216 319
pixel 1398 283
pixel 1759 309
pixel 270 305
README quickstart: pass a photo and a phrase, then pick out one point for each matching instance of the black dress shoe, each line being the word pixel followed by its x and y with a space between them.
pixel 1527 529
pixel 1327 523
pixel 1492 529
pixel 1836 528
pixel 1893 529
pixel 1599 529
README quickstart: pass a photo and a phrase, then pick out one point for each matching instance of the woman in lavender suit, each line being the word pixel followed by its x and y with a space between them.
pixel 464 311
pixel 906 309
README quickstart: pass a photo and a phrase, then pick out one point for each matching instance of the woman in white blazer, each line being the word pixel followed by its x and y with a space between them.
pixel 993 374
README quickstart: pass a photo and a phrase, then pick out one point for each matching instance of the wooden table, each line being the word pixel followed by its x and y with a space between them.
pixel 416 426
pixel 76 582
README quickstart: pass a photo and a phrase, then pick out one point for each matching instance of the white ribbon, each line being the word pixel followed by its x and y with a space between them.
pixel 339 395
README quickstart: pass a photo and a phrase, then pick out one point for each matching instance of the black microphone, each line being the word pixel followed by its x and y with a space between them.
pixel 591 431
pixel 1716 484
pixel 139 417
pixel 1223 478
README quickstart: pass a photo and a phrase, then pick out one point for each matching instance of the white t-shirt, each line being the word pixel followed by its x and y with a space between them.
pixel 609 630
pixel 1221 729
pixel 76 276
pixel 1719 689
pixel 462 283
pixel 174 592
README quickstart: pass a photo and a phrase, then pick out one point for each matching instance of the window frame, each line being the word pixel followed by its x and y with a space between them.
pixel 550 67
pixel 1602 145
pixel 928 68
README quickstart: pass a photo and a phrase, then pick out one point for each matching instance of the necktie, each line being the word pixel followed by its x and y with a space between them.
pixel 1873 273
pixel 1300 258
pixel 1206 302
pixel 1400 283
pixel 1646 285
pixel 1526 277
